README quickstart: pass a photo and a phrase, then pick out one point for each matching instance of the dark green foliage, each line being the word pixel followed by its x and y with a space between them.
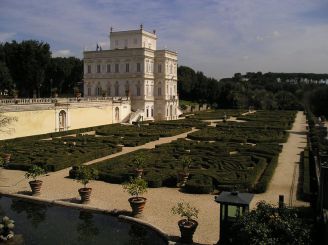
pixel 32 69
pixel 216 114
pixel 319 101
pixel 27 62
pixel 306 186
pixel 266 91
pixel 199 184
pixel 270 225
pixel 58 153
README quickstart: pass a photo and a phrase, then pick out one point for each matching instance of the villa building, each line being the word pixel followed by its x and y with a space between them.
pixel 133 67
pixel 131 81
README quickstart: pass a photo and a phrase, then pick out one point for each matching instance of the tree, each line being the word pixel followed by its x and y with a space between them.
pixel 6 81
pixel 318 100
pixel 270 225
pixel 286 101
pixel 27 62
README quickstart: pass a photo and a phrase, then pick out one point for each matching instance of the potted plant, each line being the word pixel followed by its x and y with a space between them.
pixel 136 187
pixel 54 92
pixel 77 92
pixel 6 229
pixel 35 184
pixel 139 163
pixel 84 175
pixel 183 174
pixel 188 223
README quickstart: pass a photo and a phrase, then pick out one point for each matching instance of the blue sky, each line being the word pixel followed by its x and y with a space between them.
pixel 218 37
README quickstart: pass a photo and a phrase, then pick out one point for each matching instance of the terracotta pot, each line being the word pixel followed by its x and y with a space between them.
pixel 6 157
pixel 182 178
pixel 187 230
pixel 85 194
pixel 35 187
pixel 137 204
pixel 138 172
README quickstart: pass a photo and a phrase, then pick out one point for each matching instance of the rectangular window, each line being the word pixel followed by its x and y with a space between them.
pixel 89 68
pixel 127 67
pixel 138 91
pixel 117 68
pixel 108 68
pixel 159 68
pixel 125 43
pixel 98 68
pixel 159 91
pixel 135 41
pixel 116 43
pixel 138 67
pixel 89 91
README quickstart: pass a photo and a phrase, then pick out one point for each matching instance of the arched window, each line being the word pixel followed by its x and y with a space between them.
pixel 62 120
pixel 117 114
pixel 152 111
pixel 171 110
pixel 147 112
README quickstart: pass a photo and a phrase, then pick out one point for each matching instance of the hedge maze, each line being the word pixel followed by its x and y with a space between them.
pixel 242 154
pixel 60 151
pixel 222 157
pixel 217 114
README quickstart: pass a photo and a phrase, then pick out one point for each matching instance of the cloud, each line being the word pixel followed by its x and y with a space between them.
pixel 6 36
pixel 62 53
pixel 209 35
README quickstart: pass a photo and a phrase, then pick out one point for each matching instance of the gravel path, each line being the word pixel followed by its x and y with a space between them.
pixel 285 179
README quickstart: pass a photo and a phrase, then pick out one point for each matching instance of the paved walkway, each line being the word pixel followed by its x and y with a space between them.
pixel 285 179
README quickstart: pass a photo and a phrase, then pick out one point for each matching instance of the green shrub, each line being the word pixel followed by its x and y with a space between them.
pixel 199 184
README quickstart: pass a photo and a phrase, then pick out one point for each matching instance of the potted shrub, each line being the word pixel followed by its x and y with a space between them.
pixel 77 92
pixel 136 187
pixel 6 229
pixel 35 184
pixel 84 175
pixel 187 224
pixel 139 163
pixel 183 174
pixel 54 92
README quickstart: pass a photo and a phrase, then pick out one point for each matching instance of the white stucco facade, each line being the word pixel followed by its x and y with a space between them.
pixel 134 67
pixel 40 116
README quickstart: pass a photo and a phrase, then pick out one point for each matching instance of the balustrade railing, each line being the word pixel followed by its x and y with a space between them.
pixel 27 101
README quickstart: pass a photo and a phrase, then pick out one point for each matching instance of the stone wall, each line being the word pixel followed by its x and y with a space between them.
pixel 39 118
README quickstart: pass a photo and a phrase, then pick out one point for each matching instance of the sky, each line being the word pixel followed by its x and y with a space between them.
pixel 218 37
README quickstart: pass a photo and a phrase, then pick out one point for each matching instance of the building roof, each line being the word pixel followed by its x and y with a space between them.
pixel 234 198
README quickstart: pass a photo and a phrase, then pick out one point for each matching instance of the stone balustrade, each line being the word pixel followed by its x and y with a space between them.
pixel 28 101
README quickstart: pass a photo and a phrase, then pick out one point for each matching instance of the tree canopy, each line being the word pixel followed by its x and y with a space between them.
pixel 270 225
pixel 284 91
pixel 29 68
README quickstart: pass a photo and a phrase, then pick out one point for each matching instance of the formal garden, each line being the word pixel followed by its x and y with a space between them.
pixel 58 150
pixel 233 154
pixel 221 157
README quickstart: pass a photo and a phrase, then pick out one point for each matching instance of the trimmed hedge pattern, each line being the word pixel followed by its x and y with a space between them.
pixel 58 153
pixel 212 164
pixel 224 163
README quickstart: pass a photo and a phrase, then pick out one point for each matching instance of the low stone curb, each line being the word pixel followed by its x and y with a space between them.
pixel 160 232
